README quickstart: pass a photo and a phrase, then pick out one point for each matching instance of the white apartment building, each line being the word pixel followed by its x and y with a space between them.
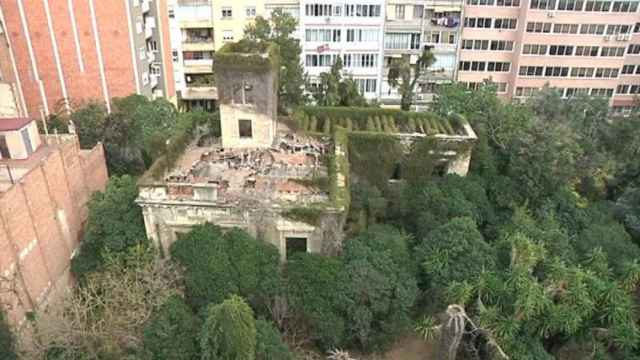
pixel 353 30
pixel 412 25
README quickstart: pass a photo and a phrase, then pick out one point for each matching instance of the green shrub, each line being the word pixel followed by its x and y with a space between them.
pixel 219 264
pixel 172 332
pixel 115 224
pixel 229 331
pixel 314 294
pixel 269 344
pixel 7 340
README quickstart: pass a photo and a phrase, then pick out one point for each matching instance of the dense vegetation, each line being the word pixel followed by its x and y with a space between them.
pixel 538 245
pixel 136 133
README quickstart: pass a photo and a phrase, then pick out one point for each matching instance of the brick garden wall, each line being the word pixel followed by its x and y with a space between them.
pixel 41 220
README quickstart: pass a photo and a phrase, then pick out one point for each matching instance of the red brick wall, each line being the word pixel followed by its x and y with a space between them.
pixel 41 220
pixel 114 40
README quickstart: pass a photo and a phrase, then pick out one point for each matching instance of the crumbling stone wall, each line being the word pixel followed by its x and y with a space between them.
pixel 165 220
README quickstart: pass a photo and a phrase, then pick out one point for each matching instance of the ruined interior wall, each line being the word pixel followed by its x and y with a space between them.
pixel 41 221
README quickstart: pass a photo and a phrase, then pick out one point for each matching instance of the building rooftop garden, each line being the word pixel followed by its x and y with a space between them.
pixel 247 55
pixel 316 119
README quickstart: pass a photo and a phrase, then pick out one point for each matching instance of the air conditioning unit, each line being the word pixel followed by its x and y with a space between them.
pixel 551 14
pixel 420 97
pixel 327 19
pixel 627 37
pixel 620 37
pixel 607 38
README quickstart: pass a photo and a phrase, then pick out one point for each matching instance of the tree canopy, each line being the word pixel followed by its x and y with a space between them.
pixel 280 29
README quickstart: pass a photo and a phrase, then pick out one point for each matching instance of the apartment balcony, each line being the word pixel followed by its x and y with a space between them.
pixel 149 25
pixel 196 23
pixel 200 93
pixel 198 44
pixel 145 6
pixel 153 81
pixel 442 23
pixel 202 66
pixel 413 25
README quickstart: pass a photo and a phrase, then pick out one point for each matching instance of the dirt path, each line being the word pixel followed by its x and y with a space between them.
pixel 411 348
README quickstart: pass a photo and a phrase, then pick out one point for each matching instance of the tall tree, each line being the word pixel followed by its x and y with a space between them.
pixel 219 264
pixel 172 332
pixel 334 90
pixel 115 224
pixel 404 76
pixel 229 331
pixel 279 29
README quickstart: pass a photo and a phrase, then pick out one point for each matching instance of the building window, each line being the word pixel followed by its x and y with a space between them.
pixel 543 4
pixel 624 6
pixel 171 13
pixel 534 49
pixel 227 35
pixel 250 11
pixel 367 85
pixel 402 41
pixel 362 35
pixel 245 129
pixel 570 5
pixel 175 56
pixel 318 10
pixel 400 12
pixel 360 60
pixel 483 23
pixel 628 69
pixel 587 50
pixel 598 5
pixel 538 27
pixel 315 60
pixel 4 148
pixel 418 11
pixel 227 12
pixel 505 23
pixel 361 10
pixel 560 50
pixel 592 29
pixel 152 45
pixel 295 245
pixel 612 51
pixel 634 49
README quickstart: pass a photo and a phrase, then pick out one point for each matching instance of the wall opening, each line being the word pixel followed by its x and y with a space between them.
pixel 245 128
pixel 4 148
pixel 296 245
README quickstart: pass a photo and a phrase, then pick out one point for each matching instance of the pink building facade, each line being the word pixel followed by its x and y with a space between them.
pixel 576 46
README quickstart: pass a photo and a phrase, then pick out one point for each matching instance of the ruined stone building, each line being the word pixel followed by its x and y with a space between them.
pixel 288 188
pixel 45 185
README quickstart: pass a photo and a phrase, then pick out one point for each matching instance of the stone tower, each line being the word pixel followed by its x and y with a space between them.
pixel 247 80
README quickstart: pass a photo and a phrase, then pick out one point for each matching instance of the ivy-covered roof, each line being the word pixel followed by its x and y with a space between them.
pixel 322 119
pixel 247 55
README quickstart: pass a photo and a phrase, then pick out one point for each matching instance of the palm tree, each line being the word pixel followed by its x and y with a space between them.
pixel 404 76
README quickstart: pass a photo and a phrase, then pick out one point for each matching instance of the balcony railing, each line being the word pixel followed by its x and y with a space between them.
pixel 197 39
pixel 145 6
